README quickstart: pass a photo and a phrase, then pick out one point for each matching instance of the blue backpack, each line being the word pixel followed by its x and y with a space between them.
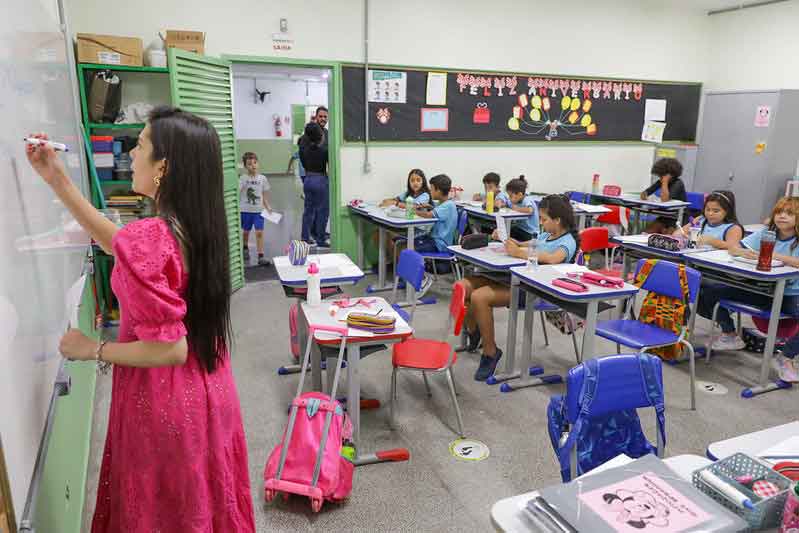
pixel 601 438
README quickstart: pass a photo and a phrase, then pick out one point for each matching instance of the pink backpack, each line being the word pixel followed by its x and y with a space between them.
pixel 308 460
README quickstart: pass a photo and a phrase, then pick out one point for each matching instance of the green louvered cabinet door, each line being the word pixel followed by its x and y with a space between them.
pixel 204 86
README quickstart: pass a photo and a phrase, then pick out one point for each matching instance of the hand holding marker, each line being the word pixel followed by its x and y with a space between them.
pixel 58 147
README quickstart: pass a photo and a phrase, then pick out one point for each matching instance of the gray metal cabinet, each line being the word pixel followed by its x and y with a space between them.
pixel 729 156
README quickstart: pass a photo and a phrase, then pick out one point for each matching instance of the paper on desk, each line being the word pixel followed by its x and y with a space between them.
pixel 273 217
pixel 783 451
pixel 502 229
pixel 637 239
pixel 588 208
pixel 568 268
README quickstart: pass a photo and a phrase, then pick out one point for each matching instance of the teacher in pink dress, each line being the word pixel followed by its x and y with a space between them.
pixel 175 456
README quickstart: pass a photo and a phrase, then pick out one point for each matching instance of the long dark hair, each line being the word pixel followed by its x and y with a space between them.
pixel 558 206
pixel 190 198
pixel 313 132
pixel 726 199
pixel 424 188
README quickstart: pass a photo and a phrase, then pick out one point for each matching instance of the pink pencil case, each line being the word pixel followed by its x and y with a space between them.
pixel 569 284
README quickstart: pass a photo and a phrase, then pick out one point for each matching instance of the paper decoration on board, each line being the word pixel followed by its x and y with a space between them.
pixel 644 502
pixel 490 85
pixel 481 115
pixel 388 86
pixel 763 116
pixel 760 148
pixel 436 88
pixel 655 110
pixel 653 131
pixel 383 115
pixel 550 117
pixel 469 450
pixel 434 119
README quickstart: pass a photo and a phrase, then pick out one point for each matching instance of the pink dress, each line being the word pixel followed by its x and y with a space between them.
pixel 175 456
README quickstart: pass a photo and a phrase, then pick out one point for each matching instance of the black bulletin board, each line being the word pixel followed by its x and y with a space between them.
pixel 612 111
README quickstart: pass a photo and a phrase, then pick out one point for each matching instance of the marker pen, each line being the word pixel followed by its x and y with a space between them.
pixel 58 147
pixel 727 490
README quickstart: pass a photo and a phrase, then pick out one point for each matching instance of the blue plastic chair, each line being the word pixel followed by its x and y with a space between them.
pixel 739 309
pixel 410 269
pixel 697 201
pixel 620 386
pixel 664 279
pixel 463 219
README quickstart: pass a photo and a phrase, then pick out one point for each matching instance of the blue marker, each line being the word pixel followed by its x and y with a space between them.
pixel 58 147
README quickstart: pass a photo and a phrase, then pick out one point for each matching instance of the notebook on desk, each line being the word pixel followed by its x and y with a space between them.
pixel 643 495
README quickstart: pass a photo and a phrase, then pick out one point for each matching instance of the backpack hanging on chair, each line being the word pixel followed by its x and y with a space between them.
pixel 594 440
pixel 664 311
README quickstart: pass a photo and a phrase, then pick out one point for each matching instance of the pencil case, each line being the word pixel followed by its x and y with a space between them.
pixel 475 240
pixel 595 278
pixel 569 285
pixel 372 323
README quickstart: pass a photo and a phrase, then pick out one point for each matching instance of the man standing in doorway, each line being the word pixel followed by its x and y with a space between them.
pixel 313 156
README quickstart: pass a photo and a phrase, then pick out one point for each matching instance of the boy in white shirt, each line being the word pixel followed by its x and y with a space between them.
pixel 253 198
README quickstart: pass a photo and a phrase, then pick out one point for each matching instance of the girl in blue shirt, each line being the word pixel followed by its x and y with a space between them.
pixel 416 189
pixel 557 244
pixel 785 222
pixel 522 230
pixel 719 225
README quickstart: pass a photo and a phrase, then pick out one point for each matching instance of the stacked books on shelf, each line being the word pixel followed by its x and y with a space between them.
pixel 130 206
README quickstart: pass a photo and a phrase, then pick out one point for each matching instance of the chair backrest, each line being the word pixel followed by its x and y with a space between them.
pixel 592 239
pixel 463 221
pixel 611 190
pixel 665 279
pixel 457 307
pixel 410 268
pixel 620 385
pixel 696 199
pixel 578 197
pixel 613 217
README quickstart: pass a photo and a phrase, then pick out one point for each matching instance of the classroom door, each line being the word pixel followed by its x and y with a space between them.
pixel 203 85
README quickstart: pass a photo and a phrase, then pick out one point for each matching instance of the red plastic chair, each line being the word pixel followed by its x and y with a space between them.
pixel 611 190
pixel 429 355
pixel 593 239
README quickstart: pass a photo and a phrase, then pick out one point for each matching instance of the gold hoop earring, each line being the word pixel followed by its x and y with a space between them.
pixel 157 181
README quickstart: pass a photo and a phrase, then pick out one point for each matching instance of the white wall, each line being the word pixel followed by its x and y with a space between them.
pixel 754 48
pixel 646 39
pixel 255 121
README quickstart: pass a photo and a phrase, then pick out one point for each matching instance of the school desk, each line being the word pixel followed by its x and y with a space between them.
pixel 356 340
pixel 537 283
pixel 671 209
pixel 753 443
pixel 719 266
pixel 584 212
pixel 475 210
pixel 377 216
pixel 508 515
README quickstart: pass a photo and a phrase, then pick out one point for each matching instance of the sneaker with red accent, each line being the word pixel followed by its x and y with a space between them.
pixel 728 343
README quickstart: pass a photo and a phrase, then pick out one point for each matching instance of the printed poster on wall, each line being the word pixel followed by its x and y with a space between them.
pixel 436 88
pixel 653 131
pixel 762 116
pixel 434 119
pixel 388 86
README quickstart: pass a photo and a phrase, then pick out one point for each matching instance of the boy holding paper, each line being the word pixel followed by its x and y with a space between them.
pixel 253 198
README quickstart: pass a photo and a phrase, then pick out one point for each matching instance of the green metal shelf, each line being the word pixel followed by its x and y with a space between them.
pixel 126 68
pixel 101 126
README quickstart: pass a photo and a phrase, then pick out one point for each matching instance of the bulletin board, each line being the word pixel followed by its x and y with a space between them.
pixel 411 104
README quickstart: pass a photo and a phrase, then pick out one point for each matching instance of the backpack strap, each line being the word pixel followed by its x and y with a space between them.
pixel 568 452
pixel 644 272
pixel 655 394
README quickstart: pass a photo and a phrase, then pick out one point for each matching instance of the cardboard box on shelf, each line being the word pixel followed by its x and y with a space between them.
pixel 109 49
pixel 192 41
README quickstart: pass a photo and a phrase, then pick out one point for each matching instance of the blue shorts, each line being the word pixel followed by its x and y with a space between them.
pixel 248 220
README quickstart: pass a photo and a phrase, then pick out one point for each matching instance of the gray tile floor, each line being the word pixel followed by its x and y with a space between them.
pixel 434 491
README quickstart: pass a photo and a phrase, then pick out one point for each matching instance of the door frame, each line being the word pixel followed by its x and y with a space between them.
pixel 335 128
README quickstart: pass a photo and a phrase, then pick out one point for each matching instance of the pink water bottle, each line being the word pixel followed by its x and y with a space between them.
pixel 790 513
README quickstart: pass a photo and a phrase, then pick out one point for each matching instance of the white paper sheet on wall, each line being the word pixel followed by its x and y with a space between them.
pixel 653 131
pixel 654 110
pixel 436 88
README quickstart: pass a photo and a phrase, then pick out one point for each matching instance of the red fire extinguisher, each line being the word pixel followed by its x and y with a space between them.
pixel 278 126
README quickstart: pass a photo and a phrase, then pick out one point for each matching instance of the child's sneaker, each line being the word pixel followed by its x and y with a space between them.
pixel 427 282
pixel 263 261
pixel 728 343
pixel 487 366
pixel 786 368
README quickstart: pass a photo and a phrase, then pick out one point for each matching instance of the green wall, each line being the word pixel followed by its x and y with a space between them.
pixel 273 155
pixel 63 488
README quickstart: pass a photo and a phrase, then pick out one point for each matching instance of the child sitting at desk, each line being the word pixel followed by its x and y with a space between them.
pixel 491 184
pixel 522 230
pixel 443 231
pixel 416 188
pixel 719 226
pixel 668 171
pixel 785 222
pixel 557 244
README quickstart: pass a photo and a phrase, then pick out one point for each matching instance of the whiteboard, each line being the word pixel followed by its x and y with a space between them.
pixel 36 94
